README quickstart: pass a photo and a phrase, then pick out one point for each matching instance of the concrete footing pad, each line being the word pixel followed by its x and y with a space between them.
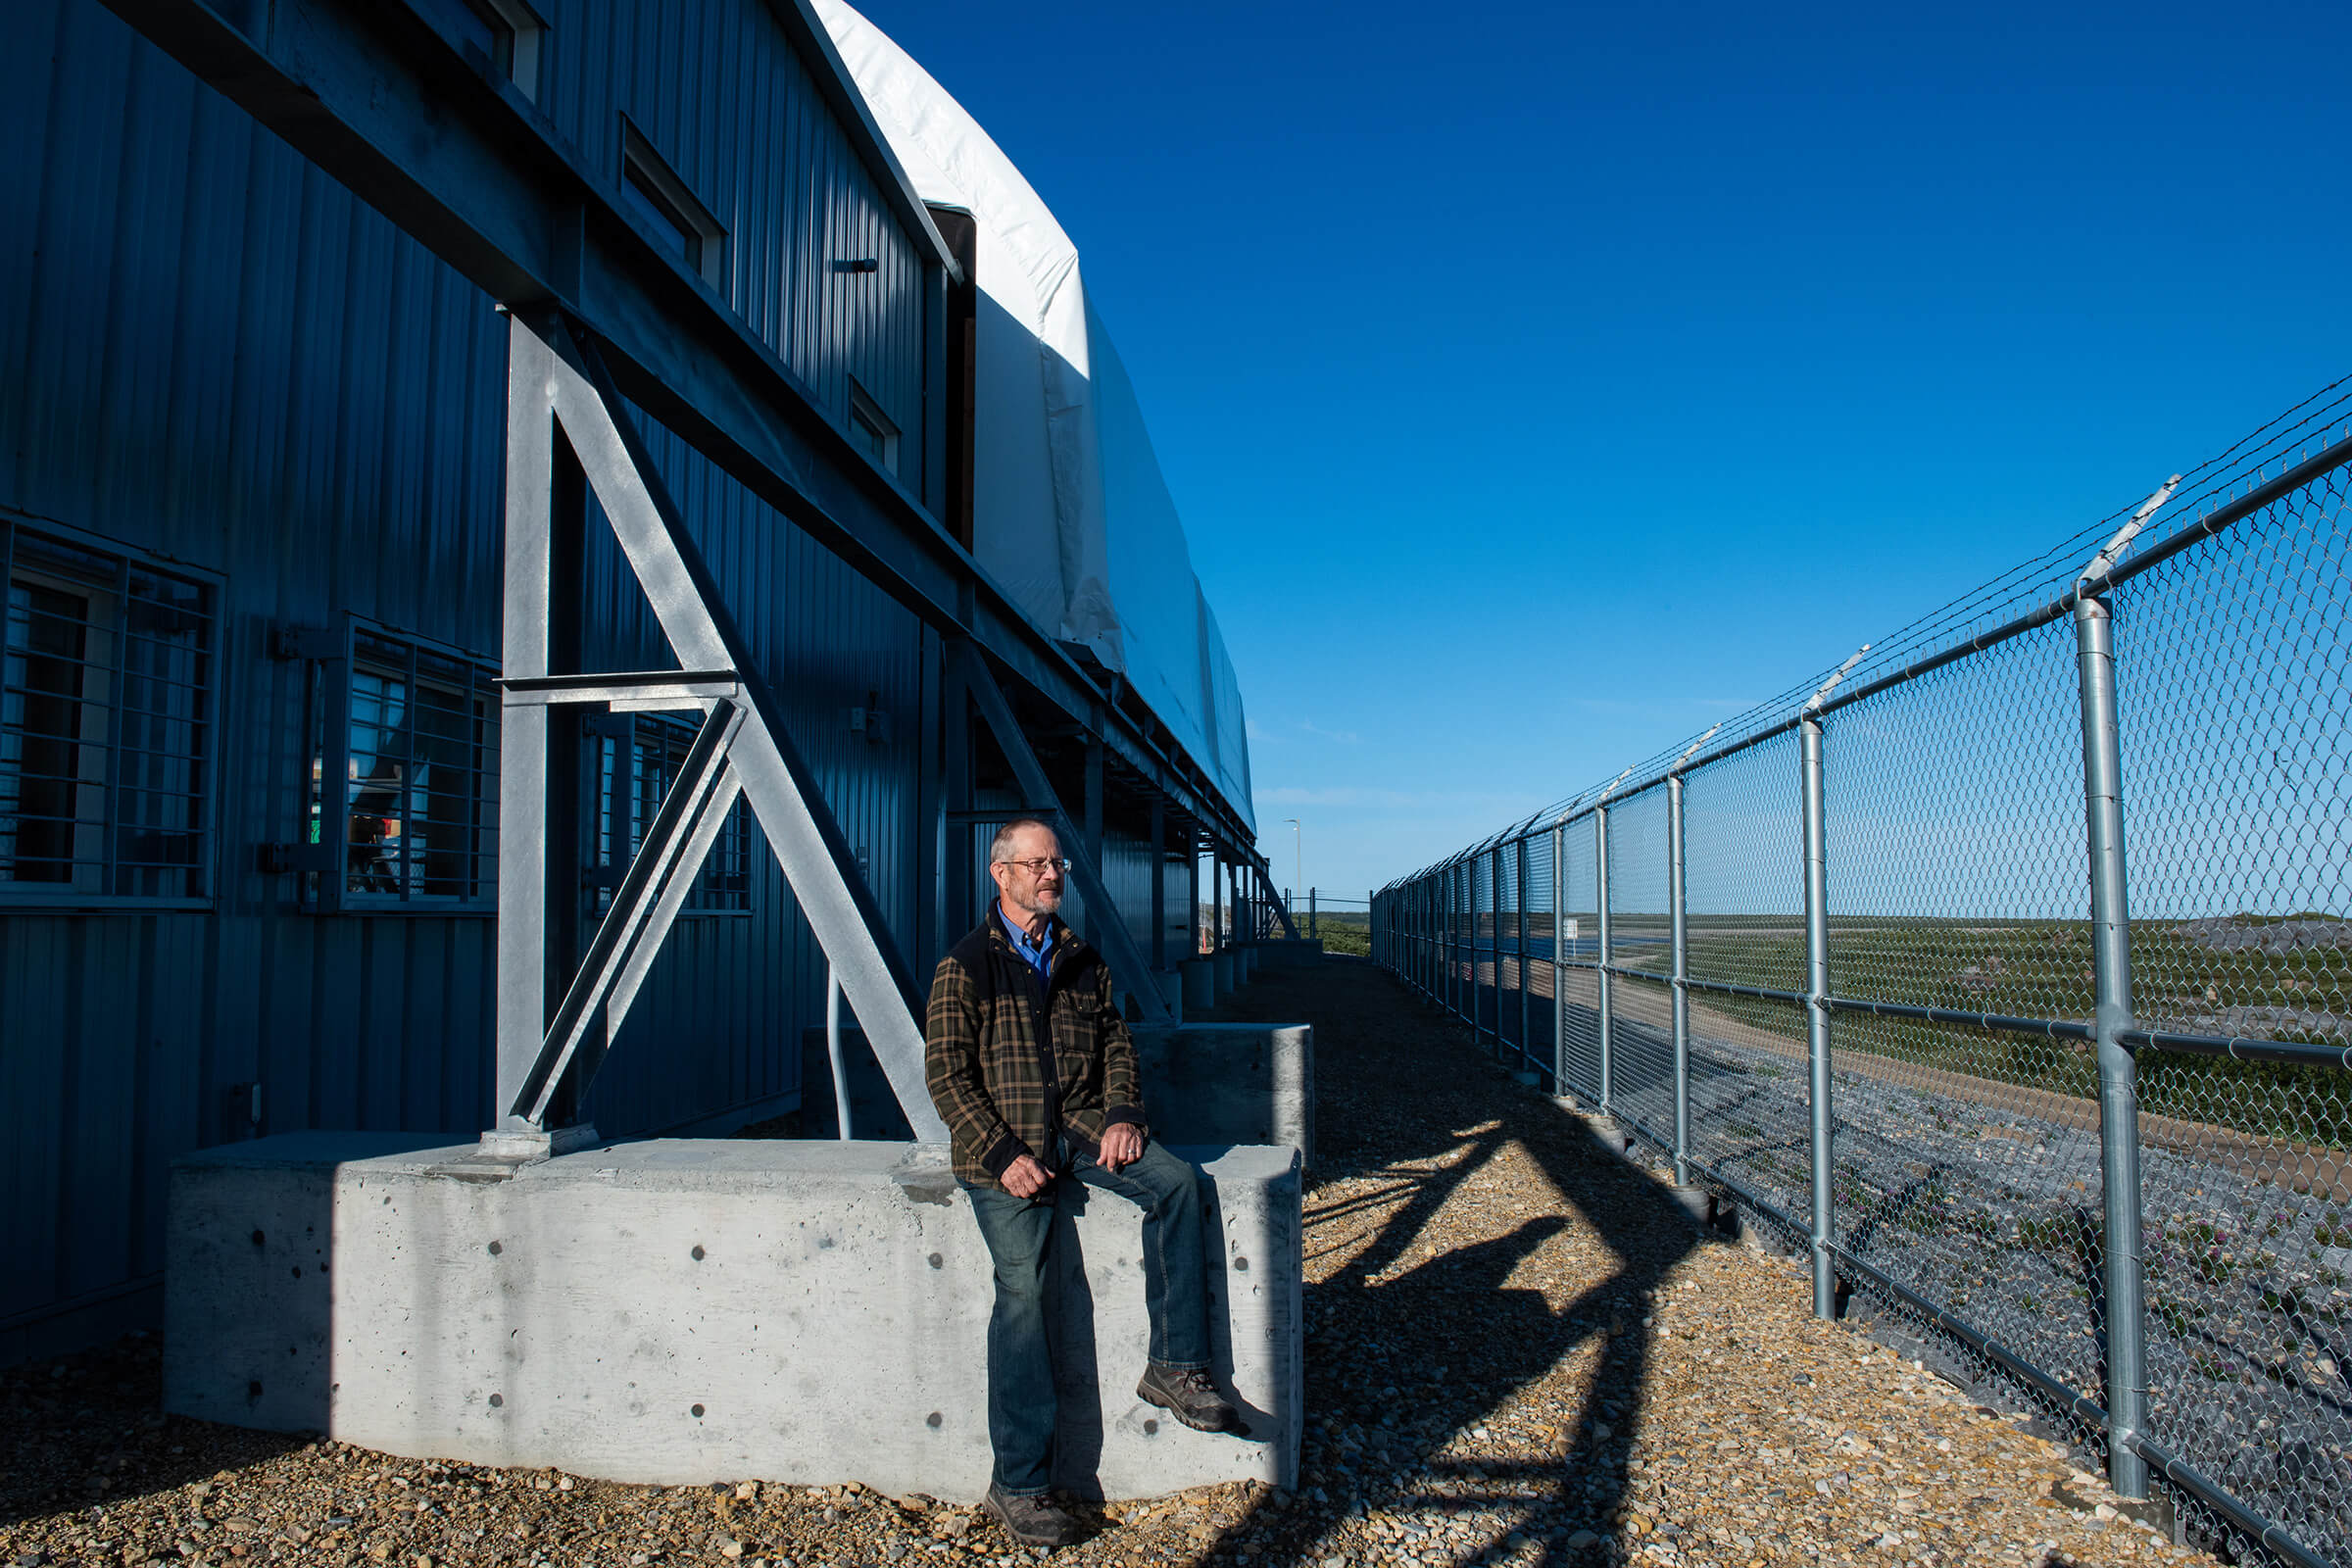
pixel 1227 971
pixel 690 1312
pixel 1231 1082
pixel 1170 984
pixel 1200 983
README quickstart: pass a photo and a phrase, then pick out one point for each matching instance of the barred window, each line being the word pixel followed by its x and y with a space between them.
pixel 635 758
pixel 106 724
pixel 417 809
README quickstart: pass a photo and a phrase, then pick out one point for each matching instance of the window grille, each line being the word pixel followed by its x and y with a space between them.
pixel 106 725
pixel 634 758
pixel 404 773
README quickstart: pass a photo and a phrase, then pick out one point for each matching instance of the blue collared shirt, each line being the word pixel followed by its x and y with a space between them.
pixel 1036 955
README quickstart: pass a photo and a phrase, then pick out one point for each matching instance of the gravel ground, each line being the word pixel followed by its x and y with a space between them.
pixel 1518 1352
pixel 1994 1211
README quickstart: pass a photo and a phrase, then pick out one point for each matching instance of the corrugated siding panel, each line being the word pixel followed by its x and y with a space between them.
pixel 717 91
pixel 211 352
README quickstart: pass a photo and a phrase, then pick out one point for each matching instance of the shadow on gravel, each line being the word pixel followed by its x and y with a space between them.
pixel 88 1431
pixel 1414 1349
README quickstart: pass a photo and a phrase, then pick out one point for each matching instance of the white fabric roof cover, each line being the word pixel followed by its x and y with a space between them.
pixel 1069 512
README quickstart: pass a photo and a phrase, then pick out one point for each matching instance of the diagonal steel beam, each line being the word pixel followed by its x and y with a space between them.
pixel 627 925
pixel 709 823
pixel 553 371
pixel 1110 935
pixel 1281 911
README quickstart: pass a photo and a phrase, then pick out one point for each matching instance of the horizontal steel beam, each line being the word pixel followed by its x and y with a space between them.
pixel 681 686
pixel 444 145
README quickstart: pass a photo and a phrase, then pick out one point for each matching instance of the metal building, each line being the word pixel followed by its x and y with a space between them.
pixel 261 267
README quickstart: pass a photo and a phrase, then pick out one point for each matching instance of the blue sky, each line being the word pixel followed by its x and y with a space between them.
pixel 1539 384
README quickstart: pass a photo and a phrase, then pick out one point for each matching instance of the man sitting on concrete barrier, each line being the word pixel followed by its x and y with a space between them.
pixel 1033 1070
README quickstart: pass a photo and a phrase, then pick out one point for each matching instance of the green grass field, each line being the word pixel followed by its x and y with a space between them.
pixel 1341 932
pixel 2286 977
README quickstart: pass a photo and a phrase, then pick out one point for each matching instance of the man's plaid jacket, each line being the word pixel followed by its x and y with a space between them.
pixel 1000 1093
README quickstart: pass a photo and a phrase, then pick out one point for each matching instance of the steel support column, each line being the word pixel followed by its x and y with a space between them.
pixel 1159 887
pixel 1092 830
pixel 2119 1090
pixel 1192 883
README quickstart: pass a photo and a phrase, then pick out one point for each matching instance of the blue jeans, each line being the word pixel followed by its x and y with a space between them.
pixel 1019 1232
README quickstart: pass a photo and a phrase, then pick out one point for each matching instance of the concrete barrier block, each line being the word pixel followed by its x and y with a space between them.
pixel 1290 952
pixel 1231 1082
pixel 1200 983
pixel 1228 975
pixel 680 1311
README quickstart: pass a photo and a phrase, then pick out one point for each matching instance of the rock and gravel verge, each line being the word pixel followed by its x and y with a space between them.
pixel 1518 1351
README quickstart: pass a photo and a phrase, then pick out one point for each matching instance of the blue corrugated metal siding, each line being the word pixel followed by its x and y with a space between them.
pixel 716 91
pixel 212 353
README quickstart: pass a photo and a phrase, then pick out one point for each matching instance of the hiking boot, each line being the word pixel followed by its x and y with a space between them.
pixel 1188 1396
pixel 1032 1521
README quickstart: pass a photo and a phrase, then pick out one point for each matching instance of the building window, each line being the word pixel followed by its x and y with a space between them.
pixel 106 723
pixel 635 759
pixel 405 777
pixel 667 211
pixel 510 33
pixel 877 436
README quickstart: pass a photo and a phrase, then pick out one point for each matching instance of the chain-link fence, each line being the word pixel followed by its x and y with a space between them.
pixel 1840 960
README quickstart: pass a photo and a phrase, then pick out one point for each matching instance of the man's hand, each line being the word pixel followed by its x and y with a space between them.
pixel 1026 1178
pixel 1122 1145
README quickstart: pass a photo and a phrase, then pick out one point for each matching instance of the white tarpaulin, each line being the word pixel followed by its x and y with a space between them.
pixel 1069 512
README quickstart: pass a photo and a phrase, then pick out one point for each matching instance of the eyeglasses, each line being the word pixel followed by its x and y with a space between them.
pixel 1038 868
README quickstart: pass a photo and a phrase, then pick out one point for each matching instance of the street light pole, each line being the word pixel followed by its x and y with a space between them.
pixel 1298 859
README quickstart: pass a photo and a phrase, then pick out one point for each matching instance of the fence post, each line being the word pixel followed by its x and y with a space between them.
pixel 1448 919
pixel 1494 935
pixel 1817 1021
pixel 2119 1090
pixel 1679 927
pixel 1521 884
pixel 1466 943
pixel 1559 966
pixel 1601 863
pixel 1311 930
pixel 1444 941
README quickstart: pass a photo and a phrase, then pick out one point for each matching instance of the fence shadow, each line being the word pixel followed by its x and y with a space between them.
pixel 1427 1311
